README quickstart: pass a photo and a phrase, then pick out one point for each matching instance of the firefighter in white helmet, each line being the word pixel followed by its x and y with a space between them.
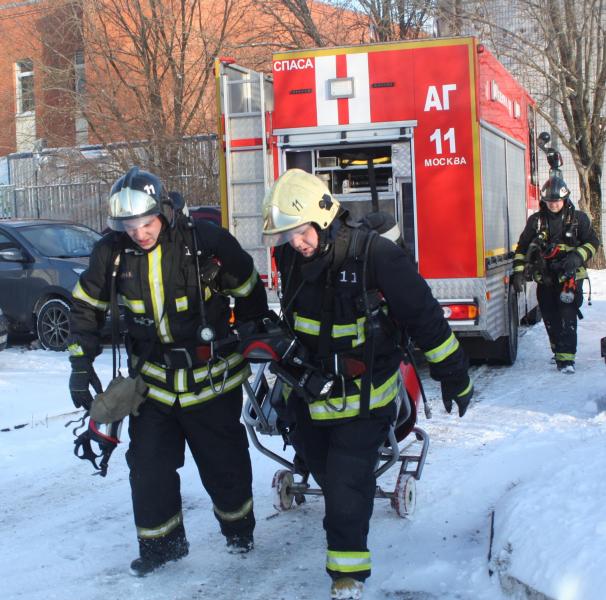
pixel 331 274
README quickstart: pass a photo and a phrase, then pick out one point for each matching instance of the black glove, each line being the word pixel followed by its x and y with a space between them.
pixel 459 391
pixel 517 281
pixel 570 263
pixel 83 375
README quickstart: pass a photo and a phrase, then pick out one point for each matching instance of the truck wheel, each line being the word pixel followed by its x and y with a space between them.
pixel 281 483
pixel 508 344
pixel 52 325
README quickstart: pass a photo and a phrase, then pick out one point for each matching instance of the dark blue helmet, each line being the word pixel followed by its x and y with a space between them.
pixel 135 197
pixel 554 189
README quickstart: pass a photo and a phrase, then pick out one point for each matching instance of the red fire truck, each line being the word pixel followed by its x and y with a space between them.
pixel 449 136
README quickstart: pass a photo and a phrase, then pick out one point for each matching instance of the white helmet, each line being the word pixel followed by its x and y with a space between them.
pixel 295 199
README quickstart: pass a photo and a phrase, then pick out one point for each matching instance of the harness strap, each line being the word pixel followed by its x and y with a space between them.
pixel 341 245
pixel 369 346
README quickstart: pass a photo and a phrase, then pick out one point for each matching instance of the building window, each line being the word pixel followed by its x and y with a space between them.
pixel 25 86
pixel 79 77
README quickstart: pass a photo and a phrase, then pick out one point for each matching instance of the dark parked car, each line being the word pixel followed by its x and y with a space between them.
pixel 208 213
pixel 40 262
pixel 3 330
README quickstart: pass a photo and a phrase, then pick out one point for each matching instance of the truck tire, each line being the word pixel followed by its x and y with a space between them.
pixel 507 345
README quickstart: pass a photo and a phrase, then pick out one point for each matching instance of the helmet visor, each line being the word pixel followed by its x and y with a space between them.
pixel 129 203
pixel 284 237
pixel 130 224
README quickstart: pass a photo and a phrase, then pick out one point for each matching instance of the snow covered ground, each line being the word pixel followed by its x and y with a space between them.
pixel 531 450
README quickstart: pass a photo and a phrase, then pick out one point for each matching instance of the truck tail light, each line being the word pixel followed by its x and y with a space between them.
pixel 460 312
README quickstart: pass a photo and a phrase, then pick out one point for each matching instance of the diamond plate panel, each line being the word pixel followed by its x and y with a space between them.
pixel 245 127
pixel 400 160
pixel 247 231
pixel 493 313
pixel 248 198
pixel 246 165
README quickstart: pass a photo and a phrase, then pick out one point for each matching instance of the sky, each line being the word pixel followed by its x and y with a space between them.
pixel 520 477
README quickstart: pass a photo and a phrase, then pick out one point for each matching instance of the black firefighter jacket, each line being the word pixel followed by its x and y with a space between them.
pixel 569 230
pixel 159 291
pixel 410 306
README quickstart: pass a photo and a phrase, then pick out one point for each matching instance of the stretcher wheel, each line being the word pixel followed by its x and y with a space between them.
pixel 405 495
pixel 281 484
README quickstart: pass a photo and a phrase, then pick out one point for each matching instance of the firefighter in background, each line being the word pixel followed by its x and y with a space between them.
pixel 158 279
pixel 553 250
pixel 322 275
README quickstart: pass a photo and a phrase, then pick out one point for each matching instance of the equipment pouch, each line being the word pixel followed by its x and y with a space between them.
pixel 122 397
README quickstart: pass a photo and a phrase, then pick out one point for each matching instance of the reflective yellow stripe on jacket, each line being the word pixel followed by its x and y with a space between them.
pixel 443 351
pixel 156 286
pixel 323 410
pixel 79 293
pixel 166 385
pixel 353 330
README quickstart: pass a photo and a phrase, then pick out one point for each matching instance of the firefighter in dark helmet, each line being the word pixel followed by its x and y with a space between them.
pixel 553 250
pixel 324 280
pixel 175 278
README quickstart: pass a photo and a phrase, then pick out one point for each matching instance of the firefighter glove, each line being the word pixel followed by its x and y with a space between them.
pixel 517 281
pixel 122 397
pixel 83 376
pixel 571 262
pixel 459 391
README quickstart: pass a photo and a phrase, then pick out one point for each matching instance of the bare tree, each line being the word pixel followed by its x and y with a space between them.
pixel 559 47
pixel 397 19
pixel 149 79
pixel 337 22
pixel 298 24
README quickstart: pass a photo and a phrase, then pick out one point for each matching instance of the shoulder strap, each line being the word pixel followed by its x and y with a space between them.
pixel 342 243
pixel 369 330
pixel 114 266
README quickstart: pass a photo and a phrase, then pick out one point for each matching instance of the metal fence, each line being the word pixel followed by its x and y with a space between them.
pixel 55 184
pixel 84 203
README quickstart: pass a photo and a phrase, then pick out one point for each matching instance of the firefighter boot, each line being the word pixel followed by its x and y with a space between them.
pixel 240 543
pixel 346 588
pixel 565 366
pixel 155 552
pixel 239 533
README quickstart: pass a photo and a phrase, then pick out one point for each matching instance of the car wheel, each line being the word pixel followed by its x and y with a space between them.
pixel 52 324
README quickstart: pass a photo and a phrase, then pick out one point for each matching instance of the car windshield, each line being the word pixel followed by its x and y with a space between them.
pixel 61 240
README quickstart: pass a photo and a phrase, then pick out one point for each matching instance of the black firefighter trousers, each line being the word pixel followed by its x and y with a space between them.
pixel 560 319
pixel 219 446
pixel 342 458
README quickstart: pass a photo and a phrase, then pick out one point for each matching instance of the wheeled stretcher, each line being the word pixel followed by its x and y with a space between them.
pixel 406 443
